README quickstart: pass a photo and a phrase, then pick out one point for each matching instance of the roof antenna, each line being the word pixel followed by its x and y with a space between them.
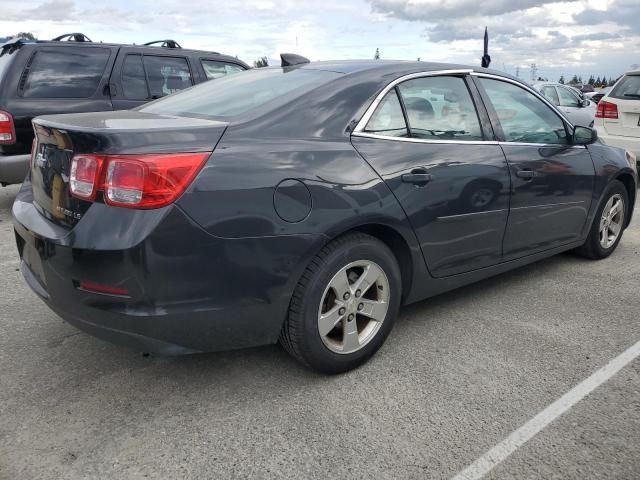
pixel 291 59
pixel 486 59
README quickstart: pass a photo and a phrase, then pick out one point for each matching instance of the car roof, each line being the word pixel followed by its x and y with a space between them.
pixel 382 68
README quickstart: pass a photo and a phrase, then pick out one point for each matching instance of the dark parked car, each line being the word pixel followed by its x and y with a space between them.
pixel 47 77
pixel 306 204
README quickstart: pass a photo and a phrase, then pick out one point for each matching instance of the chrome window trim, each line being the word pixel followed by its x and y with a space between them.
pixel 423 140
pixel 374 105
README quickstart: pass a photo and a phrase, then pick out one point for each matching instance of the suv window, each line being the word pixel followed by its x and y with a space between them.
pixel 388 119
pixel 440 108
pixel 167 75
pixel 5 59
pixel 65 72
pixel 628 88
pixel 568 98
pixel 215 69
pixel 523 116
pixel 551 94
pixel 149 76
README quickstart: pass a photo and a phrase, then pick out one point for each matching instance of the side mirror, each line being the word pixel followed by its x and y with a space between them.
pixel 584 135
pixel 585 103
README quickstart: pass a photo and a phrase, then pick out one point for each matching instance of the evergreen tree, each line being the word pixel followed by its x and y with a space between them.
pixel 591 80
pixel 261 62
pixel 574 80
pixel 598 82
pixel 376 56
pixel 561 79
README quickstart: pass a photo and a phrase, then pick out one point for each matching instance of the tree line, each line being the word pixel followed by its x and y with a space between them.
pixel 594 82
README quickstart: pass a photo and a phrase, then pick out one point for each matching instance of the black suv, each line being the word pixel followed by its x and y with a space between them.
pixel 77 75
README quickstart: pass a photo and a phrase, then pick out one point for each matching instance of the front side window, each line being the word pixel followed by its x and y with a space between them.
pixel 65 72
pixel 523 116
pixel 567 98
pixel 388 119
pixel 440 108
pixel 214 69
pixel 551 94
pixel 166 75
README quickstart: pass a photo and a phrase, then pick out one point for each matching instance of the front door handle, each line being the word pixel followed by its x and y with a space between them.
pixel 417 176
pixel 527 174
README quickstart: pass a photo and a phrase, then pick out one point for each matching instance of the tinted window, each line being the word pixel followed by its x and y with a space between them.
pixel 166 75
pixel 66 72
pixel 134 83
pixel 5 59
pixel 440 107
pixel 628 88
pixel 567 98
pixel 551 94
pixel 388 118
pixel 214 69
pixel 523 116
pixel 240 93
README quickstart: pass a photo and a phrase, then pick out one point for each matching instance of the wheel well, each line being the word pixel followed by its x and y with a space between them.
pixel 629 184
pixel 398 246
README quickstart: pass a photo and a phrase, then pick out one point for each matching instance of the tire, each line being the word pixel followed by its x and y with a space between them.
pixel 317 304
pixel 593 247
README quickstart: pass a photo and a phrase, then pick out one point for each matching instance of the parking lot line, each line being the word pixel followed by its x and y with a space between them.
pixel 526 432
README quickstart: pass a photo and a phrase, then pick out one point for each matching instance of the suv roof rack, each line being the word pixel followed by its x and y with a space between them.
pixel 164 43
pixel 72 37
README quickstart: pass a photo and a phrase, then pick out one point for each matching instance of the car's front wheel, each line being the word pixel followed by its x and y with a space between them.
pixel 608 225
pixel 344 306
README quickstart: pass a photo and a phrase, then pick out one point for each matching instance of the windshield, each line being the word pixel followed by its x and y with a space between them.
pixel 242 92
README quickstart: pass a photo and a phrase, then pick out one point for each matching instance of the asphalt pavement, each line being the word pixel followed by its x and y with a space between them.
pixel 458 374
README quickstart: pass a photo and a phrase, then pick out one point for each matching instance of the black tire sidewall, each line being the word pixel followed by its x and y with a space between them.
pixel 312 348
pixel 615 187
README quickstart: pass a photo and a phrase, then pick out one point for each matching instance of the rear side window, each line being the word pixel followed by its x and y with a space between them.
pixel 148 76
pixel 388 119
pixel 68 72
pixel 236 94
pixel 551 94
pixel 5 59
pixel 628 88
pixel 214 69
pixel 440 108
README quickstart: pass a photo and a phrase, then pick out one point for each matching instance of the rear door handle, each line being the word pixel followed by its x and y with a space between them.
pixel 418 176
pixel 527 174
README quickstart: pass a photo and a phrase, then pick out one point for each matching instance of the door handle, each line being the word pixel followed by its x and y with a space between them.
pixel 418 176
pixel 527 174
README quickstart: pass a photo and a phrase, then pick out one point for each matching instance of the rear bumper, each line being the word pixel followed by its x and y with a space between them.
pixel 187 290
pixel 631 144
pixel 13 168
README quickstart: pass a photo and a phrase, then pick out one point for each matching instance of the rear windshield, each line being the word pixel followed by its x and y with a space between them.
pixel 237 94
pixel 628 88
pixel 66 72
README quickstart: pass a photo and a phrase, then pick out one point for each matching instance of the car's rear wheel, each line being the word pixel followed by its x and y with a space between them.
pixel 609 222
pixel 344 306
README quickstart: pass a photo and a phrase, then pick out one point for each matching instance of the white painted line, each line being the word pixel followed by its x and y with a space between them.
pixel 526 432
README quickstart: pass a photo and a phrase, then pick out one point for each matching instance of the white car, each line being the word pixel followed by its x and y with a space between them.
pixel 577 109
pixel 618 115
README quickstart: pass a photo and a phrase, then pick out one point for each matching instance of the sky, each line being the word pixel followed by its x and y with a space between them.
pixel 584 37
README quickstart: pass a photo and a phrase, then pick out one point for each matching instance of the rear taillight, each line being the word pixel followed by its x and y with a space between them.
pixel 135 181
pixel 84 178
pixel 607 110
pixel 7 128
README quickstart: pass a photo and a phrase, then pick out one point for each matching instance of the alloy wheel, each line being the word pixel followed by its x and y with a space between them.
pixel 611 221
pixel 353 307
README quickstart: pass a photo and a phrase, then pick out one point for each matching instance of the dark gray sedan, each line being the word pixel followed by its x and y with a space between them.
pixel 306 204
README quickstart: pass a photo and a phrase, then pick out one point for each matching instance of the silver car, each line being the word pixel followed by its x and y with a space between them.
pixel 579 110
